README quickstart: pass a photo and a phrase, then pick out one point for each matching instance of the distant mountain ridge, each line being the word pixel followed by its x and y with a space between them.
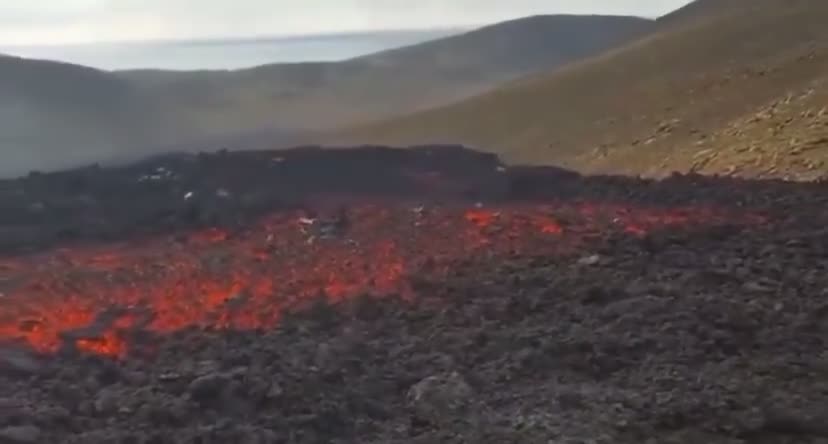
pixel 329 94
pixel 55 112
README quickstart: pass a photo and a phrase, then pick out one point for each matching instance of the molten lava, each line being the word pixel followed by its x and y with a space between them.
pixel 92 297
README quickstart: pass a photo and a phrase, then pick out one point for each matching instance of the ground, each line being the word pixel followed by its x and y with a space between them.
pixel 525 305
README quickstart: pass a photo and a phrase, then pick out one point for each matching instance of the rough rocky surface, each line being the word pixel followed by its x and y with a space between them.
pixel 183 191
pixel 786 138
pixel 696 334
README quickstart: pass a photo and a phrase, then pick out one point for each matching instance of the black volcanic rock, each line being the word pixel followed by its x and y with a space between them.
pixel 681 336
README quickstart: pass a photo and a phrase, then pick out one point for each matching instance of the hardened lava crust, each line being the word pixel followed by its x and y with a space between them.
pixel 428 295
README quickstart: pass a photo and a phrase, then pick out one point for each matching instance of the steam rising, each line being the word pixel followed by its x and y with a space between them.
pixel 32 138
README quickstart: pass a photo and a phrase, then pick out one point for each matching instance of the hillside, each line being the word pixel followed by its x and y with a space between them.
pixel 665 102
pixel 57 114
pixel 701 9
pixel 324 95
pixel 786 138
pixel 53 114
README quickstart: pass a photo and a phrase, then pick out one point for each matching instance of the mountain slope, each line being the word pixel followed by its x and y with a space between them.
pixel 785 138
pixel 324 95
pixel 55 114
pixel 632 109
pixel 701 9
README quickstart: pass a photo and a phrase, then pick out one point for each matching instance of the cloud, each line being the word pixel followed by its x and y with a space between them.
pixel 21 14
pixel 71 21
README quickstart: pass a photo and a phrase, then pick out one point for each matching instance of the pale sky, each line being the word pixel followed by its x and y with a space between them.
pixel 47 22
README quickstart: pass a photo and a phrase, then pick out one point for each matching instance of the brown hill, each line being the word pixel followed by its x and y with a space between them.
pixel 58 114
pixel 787 138
pixel 325 95
pixel 666 102
pixel 700 9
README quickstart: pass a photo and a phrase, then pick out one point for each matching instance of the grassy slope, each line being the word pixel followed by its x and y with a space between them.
pixel 320 95
pixel 650 106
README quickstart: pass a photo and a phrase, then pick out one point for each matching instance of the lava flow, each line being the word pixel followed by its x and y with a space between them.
pixel 91 297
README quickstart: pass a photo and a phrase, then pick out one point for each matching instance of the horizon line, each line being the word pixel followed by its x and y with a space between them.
pixel 285 37
pixel 247 38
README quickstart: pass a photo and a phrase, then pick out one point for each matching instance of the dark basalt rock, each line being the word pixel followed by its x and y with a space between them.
pixel 715 336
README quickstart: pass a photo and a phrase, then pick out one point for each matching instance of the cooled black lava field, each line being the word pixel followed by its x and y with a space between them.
pixel 430 295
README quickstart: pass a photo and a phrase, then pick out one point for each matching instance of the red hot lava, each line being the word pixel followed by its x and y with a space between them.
pixel 91 295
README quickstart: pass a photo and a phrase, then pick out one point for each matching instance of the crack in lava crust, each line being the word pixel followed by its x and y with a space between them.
pixel 95 297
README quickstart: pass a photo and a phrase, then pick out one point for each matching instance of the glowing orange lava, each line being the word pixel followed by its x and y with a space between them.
pixel 245 280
